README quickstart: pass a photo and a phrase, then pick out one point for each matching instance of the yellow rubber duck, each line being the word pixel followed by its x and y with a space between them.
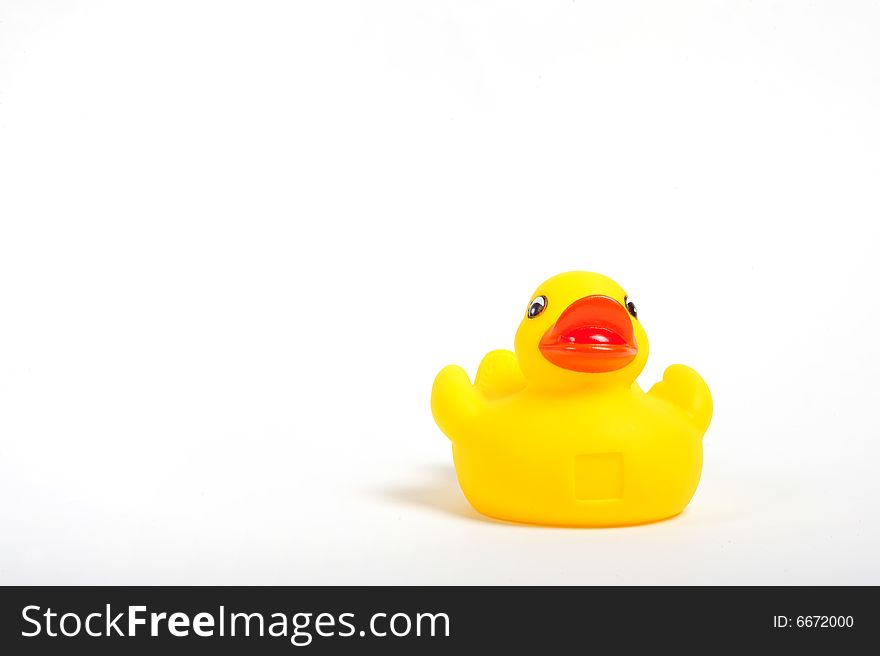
pixel 559 433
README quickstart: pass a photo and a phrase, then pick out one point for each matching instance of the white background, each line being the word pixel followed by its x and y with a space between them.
pixel 238 240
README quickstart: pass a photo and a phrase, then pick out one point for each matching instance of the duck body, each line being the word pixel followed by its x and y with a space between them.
pixel 607 458
pixel 574 447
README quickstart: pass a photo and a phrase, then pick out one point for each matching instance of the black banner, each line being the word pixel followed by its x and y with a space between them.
pixel 406 620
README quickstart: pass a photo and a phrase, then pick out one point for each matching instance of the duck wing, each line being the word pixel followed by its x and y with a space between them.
pixel 499 375
pixel 685 389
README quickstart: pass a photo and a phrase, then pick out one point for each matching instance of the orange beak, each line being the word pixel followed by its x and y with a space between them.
pixel 593 335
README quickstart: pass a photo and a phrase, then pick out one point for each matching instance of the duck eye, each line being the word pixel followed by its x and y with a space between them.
pixel 631 307
pixel 537 306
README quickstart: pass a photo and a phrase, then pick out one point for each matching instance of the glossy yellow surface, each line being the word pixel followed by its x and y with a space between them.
pixel 534 442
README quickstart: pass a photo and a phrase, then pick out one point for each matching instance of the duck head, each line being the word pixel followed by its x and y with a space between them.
pixel 581 330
